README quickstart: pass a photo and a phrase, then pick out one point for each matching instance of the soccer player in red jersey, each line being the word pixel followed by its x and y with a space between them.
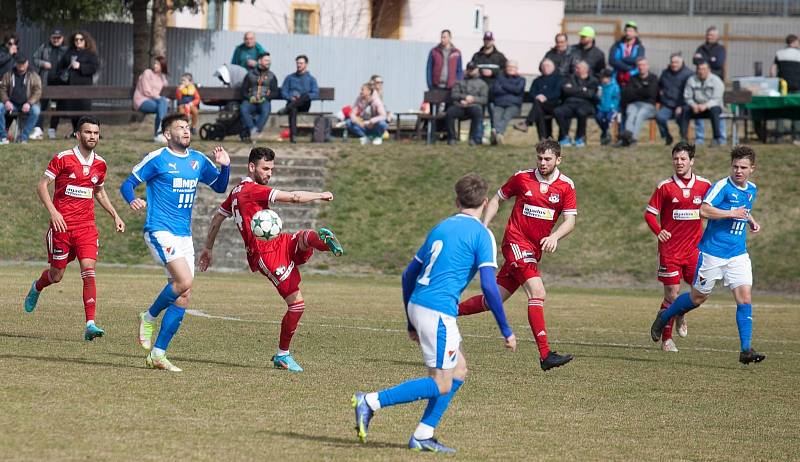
pixel 279 258
pixel 541 195
pixel 677 202
pixel 79 174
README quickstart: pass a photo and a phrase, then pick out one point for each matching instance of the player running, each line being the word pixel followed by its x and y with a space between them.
pixel 279 258
pixel 172 174
pixel 79 174
pixel 677 201
pixel 723 251
pixel 542 195
pixel 453 252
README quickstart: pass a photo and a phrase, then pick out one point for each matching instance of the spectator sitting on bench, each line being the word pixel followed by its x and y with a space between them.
pixel 508 91
pixel 246 53
pixel 608 107
pixel 639 99
pixel 703 97
pixel 377 85
pixel 670 94
pixel 188 97
pixel 20 90
pixel 147 96
pixel 468 97
pixel 259 87
pixel 299 89
pixel 580 96
pixel 545 92
pixel 367 118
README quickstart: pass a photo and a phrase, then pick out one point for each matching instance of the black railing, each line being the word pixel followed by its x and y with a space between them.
pixel 685 7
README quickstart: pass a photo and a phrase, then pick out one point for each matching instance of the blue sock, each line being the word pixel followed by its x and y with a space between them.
pixel 412 390
pixel 437 405
pixel 169 325
pixel 682 305
pixel 164 299
pixel 744 320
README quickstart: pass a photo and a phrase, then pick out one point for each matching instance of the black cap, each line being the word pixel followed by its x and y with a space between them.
pixel 20 58
pixel 57 31
pixel 471 65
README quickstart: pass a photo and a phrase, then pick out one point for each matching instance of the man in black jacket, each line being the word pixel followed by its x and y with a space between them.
pixel 260 86
pixel 712 52
pixel 586 50
pixel 670 94
pixel 46 59
pixel 580 96
pixel 489 60
pixel 639 100
pixel 560 55
pixel 8 49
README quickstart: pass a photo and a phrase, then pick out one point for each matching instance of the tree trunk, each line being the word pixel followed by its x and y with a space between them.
pixel 158 46
pixel 141 38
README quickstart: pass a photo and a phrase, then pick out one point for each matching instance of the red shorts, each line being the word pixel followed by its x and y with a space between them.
pixel 278 260
pixel 672 269
pixel 521 264
pixel 64 247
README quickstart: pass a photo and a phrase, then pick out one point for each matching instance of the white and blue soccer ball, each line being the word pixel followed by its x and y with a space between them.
pixel 266 224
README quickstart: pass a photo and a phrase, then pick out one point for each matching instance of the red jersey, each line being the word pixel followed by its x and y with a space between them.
pixel 678 204
pixel 242 203
pixel 76 178
pixel 537 206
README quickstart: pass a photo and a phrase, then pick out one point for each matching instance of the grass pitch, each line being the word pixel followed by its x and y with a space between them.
pixel 620 399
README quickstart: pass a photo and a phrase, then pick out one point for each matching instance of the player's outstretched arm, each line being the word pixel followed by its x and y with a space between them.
pixel 102 198
pixel 492 296
pixel 126 189
pixel 712 213
pixel 302 197
pixel 491 209
pixel 56 219
pixel 550 243
pixel 409 281
pixel 205 255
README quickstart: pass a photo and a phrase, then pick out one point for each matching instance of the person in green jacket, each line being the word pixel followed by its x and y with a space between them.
pixel 247 53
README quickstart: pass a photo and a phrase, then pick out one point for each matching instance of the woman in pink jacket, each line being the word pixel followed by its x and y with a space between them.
pixel 368 116
pixel 147 96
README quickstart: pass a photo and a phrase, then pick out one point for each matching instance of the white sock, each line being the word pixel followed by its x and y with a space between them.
pixel 282 352
pixel 149 317
pixel 159 352
pixel 89 323
pixel 372 401
pixel 423 432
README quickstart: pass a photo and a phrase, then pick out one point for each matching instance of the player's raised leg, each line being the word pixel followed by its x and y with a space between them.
pixel 49 276
pixel 477 304
pixel 684 303
pixel 181 277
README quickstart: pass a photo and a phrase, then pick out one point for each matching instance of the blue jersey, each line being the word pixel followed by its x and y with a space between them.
pixel 171 187
pixel 726 237
pixel 450 257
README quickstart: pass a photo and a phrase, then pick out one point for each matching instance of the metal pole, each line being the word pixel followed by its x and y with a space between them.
pixel 785 7
pixel 691 7
pixel 600 7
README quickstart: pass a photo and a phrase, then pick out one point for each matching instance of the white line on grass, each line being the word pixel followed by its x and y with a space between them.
pixel 402 331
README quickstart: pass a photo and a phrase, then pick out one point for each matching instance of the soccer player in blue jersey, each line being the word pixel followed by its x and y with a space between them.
pixel 723 251
pixel 172 175
pixel 453 252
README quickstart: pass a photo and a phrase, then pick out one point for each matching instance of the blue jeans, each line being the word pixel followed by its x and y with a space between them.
pixel 604 119
pixel 662 118
pixel 158 107
pixel 30 120
pixel 636 114
pixel 700 131
pixel 375 131
pixel 247 108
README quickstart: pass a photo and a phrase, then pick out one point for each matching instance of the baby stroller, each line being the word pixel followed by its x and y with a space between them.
pixel 229 121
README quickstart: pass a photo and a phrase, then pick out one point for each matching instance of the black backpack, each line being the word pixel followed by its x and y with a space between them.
pixel 322 130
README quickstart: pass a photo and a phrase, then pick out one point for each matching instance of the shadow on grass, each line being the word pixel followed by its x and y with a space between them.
pixel 620 358
pixel 54 359
pixel 39 337
pixel 396 362
pixel 334 441
pixel 184 359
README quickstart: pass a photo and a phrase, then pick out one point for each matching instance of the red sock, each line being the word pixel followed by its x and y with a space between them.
pixel 289 323
pixel 43 281
pixel 89 293
pixel 666 334
pixel 312 240
pixel 472 305
pixel 536 320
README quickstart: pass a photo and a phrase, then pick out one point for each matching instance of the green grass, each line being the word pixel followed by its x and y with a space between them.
pixel 620 399
pixel 387 198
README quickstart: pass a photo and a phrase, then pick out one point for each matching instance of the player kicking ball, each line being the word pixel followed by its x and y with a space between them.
pixel 723 251
pixel 79 174
pixel 541 196
pixel 280 257
pixel 676 201
pixel 172 174
pixel 453 252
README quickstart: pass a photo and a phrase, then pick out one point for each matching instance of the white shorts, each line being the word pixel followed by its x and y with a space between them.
pixel 734 272
pixel 166 247
pixel 438 336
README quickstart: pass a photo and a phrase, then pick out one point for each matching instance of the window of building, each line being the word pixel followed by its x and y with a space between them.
pixel 305 19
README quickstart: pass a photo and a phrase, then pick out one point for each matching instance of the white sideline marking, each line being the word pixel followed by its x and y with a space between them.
pixel 646 346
